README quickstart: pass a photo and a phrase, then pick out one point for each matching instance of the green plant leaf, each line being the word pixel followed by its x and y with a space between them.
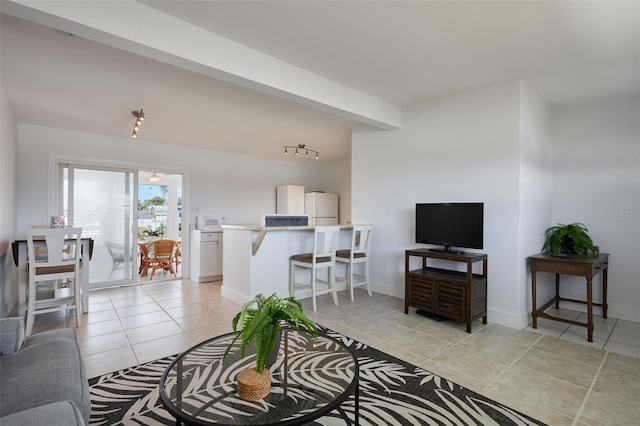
pixel 570 239
pixel 260 320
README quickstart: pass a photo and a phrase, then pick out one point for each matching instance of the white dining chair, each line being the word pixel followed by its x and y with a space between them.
pixel 323 257
pixel 53 256
pixel 358 254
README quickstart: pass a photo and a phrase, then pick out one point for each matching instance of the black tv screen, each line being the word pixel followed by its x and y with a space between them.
pixel 450 224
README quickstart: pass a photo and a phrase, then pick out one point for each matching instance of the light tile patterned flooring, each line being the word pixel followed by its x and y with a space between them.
pixel 551 374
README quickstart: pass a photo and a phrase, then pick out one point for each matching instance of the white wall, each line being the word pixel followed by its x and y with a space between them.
pixel 455 149
pixel 336 178
pixel 536 155
pixel 8 142
pixel 597 182
pixel 240 187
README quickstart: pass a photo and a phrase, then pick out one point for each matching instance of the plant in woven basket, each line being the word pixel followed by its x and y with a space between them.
pixel 260 321
pixel 569 239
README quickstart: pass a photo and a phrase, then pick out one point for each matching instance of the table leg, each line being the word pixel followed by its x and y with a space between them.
pixel 589 310
pixel 557 291
pixel 604 292
pixel 534 313
pixel 84 267
pixel 407 291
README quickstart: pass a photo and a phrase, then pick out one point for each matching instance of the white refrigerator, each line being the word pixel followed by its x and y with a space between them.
pixel 322 208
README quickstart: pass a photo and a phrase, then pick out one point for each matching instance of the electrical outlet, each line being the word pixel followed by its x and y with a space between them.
pixel 397 270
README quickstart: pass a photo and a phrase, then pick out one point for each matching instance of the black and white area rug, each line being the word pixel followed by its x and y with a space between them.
pixel 392 392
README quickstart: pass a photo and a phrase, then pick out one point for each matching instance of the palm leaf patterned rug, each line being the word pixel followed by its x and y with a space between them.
pixel 392 392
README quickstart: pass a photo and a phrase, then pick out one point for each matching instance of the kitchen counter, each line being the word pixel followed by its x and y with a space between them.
pixel 262 231
pixel 254 263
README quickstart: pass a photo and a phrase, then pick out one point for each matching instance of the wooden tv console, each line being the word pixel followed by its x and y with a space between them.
pixel 460 296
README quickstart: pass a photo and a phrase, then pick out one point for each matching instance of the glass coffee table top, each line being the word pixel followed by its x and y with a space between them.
pixel 310 378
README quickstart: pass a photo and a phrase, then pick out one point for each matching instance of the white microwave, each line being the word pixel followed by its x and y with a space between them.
pixel 209 222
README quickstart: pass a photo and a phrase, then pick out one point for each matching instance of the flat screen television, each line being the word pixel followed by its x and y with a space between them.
pixel 450 225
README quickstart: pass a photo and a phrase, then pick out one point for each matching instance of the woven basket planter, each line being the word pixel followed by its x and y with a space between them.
pixel 253 385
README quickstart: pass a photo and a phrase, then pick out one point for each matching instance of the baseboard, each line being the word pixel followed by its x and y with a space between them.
pixel 233 295
pixel 509 319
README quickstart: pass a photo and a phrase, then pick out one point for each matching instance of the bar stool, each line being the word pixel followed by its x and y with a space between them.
pixel 61 262
pixel 359 253
pixel 324 256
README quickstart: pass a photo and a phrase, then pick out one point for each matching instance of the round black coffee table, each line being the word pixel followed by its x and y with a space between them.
pixel 310 378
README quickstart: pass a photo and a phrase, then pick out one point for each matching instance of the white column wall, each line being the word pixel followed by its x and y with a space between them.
pixel 460 148
pixel 536 180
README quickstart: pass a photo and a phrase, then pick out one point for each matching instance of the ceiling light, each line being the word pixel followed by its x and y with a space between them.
pixel 139 115
pixel 301 147
pixel 154 178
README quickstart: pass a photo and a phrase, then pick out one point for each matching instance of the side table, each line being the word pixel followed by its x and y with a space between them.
pixel 582 266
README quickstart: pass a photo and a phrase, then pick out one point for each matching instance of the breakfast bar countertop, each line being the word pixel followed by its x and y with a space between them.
pixel 260 228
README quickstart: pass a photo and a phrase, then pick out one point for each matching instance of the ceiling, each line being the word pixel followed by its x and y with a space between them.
pixel 359 62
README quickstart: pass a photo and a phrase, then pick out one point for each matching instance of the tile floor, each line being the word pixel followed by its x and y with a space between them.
pixel 552 373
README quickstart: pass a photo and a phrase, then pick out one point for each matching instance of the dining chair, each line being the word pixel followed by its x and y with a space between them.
pixel 161 256
pixel 358 254
pixel 54 256
pixel 177 254
pixel 323 257
pixel 116 251
pixel 145 260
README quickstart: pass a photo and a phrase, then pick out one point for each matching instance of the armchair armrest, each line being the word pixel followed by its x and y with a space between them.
pixel 11 334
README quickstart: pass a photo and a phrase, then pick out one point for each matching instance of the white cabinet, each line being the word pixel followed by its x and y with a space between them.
pixel 290 199
pixel 206 255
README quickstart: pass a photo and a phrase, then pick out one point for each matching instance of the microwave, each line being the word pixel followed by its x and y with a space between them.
pixel 209 222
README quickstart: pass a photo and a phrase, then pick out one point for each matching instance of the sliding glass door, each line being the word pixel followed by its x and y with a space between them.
pixel 103 202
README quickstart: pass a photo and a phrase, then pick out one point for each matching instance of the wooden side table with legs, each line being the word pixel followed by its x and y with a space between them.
pixel 582 266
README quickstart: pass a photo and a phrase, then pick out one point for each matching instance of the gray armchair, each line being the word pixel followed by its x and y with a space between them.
pixel 42 379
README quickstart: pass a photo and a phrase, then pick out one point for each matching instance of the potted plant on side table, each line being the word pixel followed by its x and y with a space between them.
pixel 259 322
pixel 565 240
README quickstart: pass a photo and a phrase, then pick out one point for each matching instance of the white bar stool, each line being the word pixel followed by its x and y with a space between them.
pixel 359 253
pixel 323 256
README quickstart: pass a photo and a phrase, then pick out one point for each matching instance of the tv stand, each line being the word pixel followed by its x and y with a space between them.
pixel 445 250
pixel 431 315
pixel 448 293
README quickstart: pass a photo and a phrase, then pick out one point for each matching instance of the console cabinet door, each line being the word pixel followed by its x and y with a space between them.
pixel 451 299
pixel 423 294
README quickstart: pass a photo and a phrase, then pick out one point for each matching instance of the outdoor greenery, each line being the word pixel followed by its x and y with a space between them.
pixel 154 201
pixel 261 320
pixel 569 239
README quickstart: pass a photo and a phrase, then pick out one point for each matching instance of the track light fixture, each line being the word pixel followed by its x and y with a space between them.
pixel 139 115
pixel 299 148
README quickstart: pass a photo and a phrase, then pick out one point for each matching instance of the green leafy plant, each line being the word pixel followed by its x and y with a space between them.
pixel 261 321
pixel 569 239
